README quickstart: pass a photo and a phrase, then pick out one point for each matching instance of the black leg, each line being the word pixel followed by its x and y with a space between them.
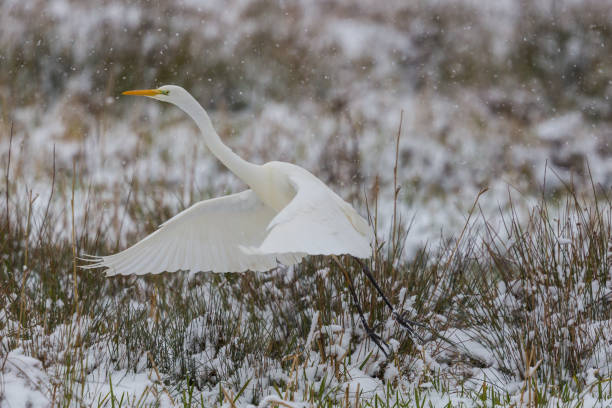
pixel 398 317
pixel 375 337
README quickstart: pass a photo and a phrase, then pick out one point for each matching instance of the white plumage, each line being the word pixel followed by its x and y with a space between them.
pixel 288 213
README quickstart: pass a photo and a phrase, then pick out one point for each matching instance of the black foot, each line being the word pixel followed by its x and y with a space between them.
pixel 379 342
pixel 408 325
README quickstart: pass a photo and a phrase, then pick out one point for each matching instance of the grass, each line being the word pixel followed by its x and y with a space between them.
pixel 533 294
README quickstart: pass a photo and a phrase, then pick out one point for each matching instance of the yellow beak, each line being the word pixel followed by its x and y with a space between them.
pixel 143 92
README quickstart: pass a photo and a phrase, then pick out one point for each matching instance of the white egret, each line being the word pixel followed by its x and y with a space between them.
pixel 286 214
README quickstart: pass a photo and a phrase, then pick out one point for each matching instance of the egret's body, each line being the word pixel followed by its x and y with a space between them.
pixel 286 214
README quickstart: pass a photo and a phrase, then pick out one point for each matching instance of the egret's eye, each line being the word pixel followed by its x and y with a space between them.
pixel 164 92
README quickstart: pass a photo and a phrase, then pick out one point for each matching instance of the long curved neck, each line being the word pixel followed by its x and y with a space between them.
pixel 248 172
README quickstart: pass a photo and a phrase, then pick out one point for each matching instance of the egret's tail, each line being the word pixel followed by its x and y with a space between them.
pixel 94 261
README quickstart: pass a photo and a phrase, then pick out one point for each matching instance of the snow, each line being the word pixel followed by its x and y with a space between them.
pixel 361 384
pixel 270 400
pixel 559 128
pixel 126 386
pixel 311 332
pixel 23 382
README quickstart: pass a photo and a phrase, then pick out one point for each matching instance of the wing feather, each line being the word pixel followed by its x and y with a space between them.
pixel 317 222
pixel 208 236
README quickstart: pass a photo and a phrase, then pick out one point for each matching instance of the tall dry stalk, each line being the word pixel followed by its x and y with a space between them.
pixel 8 169
pixel 396 189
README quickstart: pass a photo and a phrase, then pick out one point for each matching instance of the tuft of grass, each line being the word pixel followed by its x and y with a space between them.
pixel 542 302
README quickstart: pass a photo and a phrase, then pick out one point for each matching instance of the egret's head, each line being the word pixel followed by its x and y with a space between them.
pixel 166 93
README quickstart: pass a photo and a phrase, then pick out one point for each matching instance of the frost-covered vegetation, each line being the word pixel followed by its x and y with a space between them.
pixel 515 291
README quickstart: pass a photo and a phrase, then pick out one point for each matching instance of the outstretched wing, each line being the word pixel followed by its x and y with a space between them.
pixel 207 236
pixel 317 222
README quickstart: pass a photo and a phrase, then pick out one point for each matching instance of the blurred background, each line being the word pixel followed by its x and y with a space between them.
pixel 509 95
